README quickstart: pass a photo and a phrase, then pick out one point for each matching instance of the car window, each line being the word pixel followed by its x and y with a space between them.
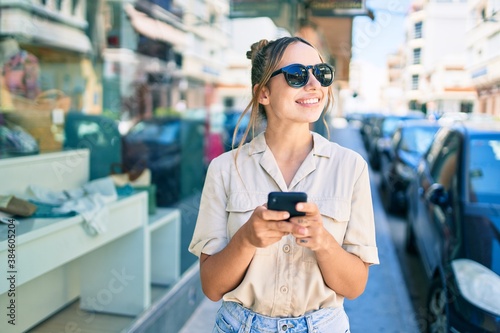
pixel 436 146
pixel 444 168
pixel 396 138
pixel 417 139
pixel 170 133
pixel 144 130
pixel 484 166
pixel 389 126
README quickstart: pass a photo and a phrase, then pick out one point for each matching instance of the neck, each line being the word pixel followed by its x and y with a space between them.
pixel 290 144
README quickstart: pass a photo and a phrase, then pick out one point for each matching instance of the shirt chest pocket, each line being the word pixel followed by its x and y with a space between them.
pixel 239 208
pixel 336 213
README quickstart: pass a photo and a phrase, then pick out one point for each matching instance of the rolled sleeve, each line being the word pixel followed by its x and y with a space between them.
pixel 210 233
pixel 360 234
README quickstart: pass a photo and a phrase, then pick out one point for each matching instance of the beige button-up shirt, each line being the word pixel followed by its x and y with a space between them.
pixel 283 279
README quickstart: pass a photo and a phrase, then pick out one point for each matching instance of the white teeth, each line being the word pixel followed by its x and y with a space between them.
pixel 309 101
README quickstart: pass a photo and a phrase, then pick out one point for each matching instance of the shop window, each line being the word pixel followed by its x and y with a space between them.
pixel 39 87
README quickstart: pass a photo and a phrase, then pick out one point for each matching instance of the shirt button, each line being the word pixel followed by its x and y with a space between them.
pixel 284 289
pixel 286 248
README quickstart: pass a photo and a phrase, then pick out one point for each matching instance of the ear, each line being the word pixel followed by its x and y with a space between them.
pixel 263 95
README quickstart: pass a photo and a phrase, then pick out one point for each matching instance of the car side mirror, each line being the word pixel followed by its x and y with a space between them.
pixel 437 195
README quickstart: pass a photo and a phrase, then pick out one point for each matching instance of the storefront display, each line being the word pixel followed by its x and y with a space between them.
pixel 40 85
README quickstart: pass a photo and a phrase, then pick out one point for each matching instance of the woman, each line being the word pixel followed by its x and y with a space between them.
pixel 273 273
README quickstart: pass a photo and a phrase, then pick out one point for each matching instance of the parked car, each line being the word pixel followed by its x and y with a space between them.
pixel 454 224
pixel 156 144
pixel 399 160
pixel 381 132
pixel 355 119
pixel 366 129
pixel 231 118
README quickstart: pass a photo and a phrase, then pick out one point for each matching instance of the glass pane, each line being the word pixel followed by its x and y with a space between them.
pixel 484 175
pixel 417 140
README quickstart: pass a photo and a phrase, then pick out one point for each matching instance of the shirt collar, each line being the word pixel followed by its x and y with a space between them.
pixel 321 146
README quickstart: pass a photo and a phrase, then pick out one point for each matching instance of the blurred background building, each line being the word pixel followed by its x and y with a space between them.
pixel 435 78
pixel 483 53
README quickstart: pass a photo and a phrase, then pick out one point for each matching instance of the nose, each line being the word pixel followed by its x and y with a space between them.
pixel 312 80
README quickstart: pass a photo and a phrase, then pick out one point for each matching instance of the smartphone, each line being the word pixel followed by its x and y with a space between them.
pixel 286 201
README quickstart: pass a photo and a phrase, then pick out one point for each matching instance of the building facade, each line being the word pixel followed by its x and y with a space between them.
pixel 127 59
pixel 483 53
pixel 435 78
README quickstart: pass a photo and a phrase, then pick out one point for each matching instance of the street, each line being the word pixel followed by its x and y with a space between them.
pixel 411 266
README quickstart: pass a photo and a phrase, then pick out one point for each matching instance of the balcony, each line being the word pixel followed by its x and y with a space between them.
pixel 69 12
pixel 58 24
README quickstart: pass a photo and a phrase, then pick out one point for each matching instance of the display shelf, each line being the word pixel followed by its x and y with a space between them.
pixel 58 262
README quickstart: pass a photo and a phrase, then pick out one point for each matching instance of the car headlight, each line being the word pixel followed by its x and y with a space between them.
pixel 478 284
pixel 404 170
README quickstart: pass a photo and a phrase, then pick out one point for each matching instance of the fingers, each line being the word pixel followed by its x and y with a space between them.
pixel 308 229
pixel 310 208
pixel 270 222
pixel 272 215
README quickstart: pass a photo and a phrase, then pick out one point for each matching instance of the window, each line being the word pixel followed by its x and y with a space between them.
pixel 414 82
pixel 417 139
pixel 436 145
pixel 484 162
pixel 414 105
pixel 416 55
pixel 466 107
pixel 418 30
pixel 444 168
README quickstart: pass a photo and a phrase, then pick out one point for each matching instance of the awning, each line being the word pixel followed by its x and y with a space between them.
pixel 155 29
pixel 33 28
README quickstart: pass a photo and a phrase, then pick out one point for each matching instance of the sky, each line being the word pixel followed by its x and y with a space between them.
pixel 374 40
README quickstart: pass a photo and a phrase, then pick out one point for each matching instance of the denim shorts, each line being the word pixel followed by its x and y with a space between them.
pixel 234 318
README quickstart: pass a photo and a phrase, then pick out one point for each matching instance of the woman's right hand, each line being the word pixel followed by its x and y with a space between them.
pixel 266 227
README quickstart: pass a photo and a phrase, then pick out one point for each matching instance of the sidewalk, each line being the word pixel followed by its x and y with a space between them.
pixel 384 306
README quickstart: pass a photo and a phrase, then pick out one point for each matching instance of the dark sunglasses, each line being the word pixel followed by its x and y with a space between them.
pixel 297 75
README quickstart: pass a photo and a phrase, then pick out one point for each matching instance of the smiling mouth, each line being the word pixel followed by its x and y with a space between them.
pixel 309 101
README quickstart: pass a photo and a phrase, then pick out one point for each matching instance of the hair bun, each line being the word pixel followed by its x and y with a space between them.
pixel 256 47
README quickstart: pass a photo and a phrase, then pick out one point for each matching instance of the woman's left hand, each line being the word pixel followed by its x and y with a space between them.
pixel 309 230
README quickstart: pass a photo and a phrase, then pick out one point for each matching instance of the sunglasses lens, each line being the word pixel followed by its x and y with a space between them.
pixel 296 75
pixel 324 74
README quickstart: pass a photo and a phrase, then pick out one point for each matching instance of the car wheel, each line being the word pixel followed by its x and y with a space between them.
pixel 437 321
